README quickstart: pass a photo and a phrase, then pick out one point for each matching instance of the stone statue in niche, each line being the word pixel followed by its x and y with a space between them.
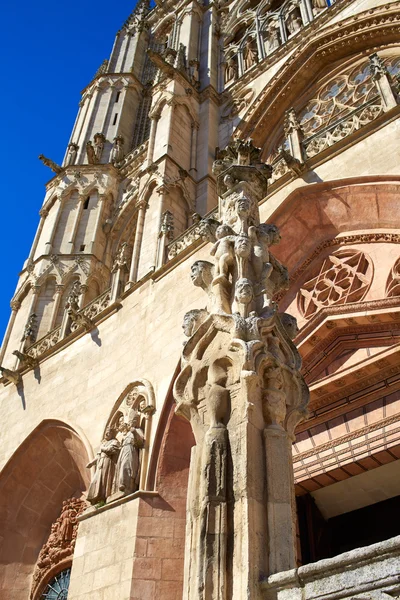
pixel 126 479
pixel 105 462
pixel 273 37
pixel 294 22
pixel 231 70
pixel 117 152
pixel 99 140
pixel 30 330
pixel 71 154
pixel 249 55
pixel 318 6
pixel 90 153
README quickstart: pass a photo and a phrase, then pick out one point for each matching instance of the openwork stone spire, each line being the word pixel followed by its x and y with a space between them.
pixel 241 389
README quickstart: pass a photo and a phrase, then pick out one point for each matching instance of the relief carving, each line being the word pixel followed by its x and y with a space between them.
pixel 393 281
pixel 60 543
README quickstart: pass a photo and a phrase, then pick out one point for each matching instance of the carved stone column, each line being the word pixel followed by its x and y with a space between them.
pixel 137 245
pixel 43 215
pixel 56 305
pixel 241 389
pixel 15 306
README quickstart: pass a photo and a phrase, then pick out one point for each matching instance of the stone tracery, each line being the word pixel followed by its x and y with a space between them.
pixel 344 276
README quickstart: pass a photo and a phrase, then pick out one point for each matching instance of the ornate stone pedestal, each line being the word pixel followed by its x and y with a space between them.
pixel 241 389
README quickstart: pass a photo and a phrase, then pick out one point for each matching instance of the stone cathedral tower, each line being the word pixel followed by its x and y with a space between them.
pixel 235 166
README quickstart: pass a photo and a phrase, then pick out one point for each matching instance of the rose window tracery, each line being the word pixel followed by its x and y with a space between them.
pixel 341 106
pixel 345 276
pixel 393 281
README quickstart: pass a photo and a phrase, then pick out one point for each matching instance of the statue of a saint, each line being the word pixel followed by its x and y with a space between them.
pixel 249 55
pixel 71 155
pixel 231 71
pixel 273 37
pixel 90 152
pixel 105 461
pixel 68 520
pixel 126 477
pixel 117 153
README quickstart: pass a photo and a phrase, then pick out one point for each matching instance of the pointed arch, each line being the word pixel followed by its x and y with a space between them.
pixel 46 469
pixel 346 39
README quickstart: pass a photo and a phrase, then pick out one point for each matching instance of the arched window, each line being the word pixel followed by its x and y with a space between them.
pixel 57 588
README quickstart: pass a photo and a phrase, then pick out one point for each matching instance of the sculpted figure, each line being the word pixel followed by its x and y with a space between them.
pixel 231 71
pixel 128 464
pixel 217 396
pixel 294 22
pixel 90 153
pixel 273 37
pixel 99 140
pixel 223 250
pixel 244 294
pixel 117 153
pixel 68 520
pixel 249 55
pixel 30 329
pixel 201 274
pixel 105 461
pixel 263 237
pixel 318 6
pixel 275 397
pixel 71 155
pixel 192 320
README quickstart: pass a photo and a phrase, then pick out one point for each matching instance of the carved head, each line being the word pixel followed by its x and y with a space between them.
pixel 134 419
pixel 192 320
pixel 242 246
pixel 201 273
pixel 244 291
pixel 222 231
pixel 229 181
pixel 243 206
pixel 110 433
pixel 290 324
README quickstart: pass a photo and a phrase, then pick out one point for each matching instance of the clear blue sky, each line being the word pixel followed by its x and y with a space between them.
pixel 50 52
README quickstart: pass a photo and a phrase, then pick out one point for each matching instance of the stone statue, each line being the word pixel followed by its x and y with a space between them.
pixel 117 153
pixel 99 140
pixel 318 6
pixel 30 330
pixel 68 520
pixel 71 154
pixel 223 251
pixel 90 153
pixel 126 478
pixel 101 485
pixel 249 55
pixel 72 303
pixel 231 71
pixel 273 37
pixel 294 22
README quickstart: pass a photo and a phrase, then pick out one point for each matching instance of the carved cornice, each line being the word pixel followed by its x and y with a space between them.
pixel 342 309
pixel 354 34
pixel 347 438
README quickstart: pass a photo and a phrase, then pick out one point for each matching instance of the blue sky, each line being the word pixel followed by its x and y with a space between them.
pixel 50 52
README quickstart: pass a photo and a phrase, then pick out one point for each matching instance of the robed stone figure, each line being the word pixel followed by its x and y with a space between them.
pixel 105 461
pixel 128 464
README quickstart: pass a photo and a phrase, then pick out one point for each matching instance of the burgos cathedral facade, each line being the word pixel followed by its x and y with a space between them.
pixel 200 378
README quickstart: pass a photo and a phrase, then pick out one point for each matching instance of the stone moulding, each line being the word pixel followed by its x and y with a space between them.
pixel 93 511
pixel 371 569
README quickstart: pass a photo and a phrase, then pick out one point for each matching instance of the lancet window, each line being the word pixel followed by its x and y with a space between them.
pixel 261 30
